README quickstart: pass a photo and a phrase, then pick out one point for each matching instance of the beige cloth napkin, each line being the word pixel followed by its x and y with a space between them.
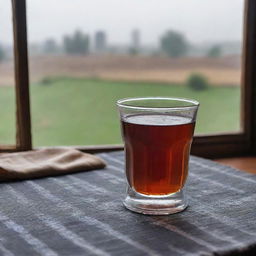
pixel 46 162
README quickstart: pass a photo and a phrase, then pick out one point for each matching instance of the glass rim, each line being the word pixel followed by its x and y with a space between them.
pixel 191 103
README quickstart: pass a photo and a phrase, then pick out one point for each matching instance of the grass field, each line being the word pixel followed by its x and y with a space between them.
pixel 83 112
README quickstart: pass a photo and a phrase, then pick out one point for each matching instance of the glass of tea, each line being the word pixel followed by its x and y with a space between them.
pixel 157 134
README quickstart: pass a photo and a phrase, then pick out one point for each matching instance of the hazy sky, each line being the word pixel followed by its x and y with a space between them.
pixel 199 20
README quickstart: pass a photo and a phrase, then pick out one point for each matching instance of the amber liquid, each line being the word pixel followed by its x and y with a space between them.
pixel 157 152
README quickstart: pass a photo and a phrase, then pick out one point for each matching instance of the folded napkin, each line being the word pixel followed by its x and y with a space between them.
pixel 46 162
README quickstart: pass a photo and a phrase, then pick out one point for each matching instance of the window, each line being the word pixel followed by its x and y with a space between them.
pixel 7 95
pixel 232 140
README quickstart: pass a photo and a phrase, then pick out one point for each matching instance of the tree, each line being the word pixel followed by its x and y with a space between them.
pixel 133 51
pixel 50 46
pixel 2 54
pixel 78 43
pixel 174 44
pixel 197 82
pixel 214 52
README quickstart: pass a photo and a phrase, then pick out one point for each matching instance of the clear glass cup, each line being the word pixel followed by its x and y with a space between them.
pixel 157 134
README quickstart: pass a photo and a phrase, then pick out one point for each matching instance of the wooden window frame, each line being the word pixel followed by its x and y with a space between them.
pixel 210 146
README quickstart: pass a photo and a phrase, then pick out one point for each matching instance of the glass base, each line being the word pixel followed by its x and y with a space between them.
pixel 155 205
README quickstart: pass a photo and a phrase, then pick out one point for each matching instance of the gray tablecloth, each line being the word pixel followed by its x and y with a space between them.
pixel 82 214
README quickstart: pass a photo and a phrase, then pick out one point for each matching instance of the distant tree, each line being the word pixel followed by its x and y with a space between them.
pixel 133 51
pixel 100 41
pixel 2 54
pixel 50 46
pixel 214 52
pixel 174 44
pixel 197 82
pixel 78 43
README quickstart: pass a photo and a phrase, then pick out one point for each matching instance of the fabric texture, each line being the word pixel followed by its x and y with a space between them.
pixel 46 162
pixel 82 214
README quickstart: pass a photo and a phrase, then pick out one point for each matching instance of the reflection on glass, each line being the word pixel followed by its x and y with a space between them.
pixel 7 91
pixel 87 55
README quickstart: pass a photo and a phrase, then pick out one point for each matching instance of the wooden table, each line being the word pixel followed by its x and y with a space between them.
pixel 247 164
pixel 82 214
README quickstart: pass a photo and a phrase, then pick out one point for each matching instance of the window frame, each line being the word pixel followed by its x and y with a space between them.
pixel 210 146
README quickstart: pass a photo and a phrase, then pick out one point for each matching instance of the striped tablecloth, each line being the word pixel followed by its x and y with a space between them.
pixel 82 214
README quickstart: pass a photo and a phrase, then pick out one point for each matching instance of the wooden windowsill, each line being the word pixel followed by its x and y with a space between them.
pixel 247 164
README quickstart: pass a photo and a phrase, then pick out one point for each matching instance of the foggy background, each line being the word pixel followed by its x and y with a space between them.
pixel 91 53
pixel 197 19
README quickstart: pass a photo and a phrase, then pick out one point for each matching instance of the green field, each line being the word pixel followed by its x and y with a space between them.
pixel 67 111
